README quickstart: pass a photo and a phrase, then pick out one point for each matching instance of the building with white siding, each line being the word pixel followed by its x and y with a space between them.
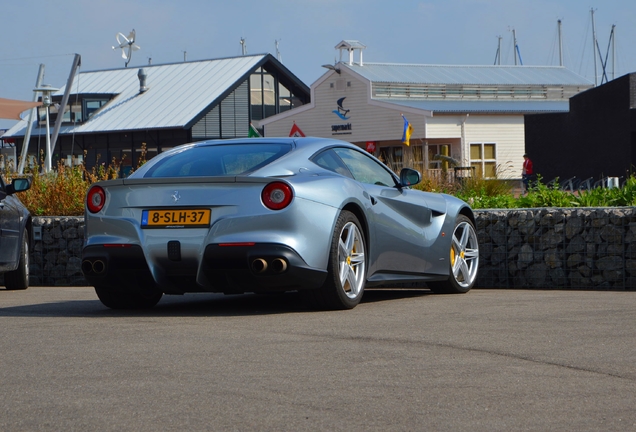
pixel 474 112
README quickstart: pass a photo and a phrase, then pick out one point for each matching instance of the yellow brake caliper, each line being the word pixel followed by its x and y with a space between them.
pixel 348 287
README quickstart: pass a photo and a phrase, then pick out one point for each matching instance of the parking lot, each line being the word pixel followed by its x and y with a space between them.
pixel 401 360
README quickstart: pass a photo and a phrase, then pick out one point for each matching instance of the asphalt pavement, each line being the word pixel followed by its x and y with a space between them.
pixel 403 360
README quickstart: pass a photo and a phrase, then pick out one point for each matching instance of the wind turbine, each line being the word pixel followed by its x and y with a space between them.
pixel 127 45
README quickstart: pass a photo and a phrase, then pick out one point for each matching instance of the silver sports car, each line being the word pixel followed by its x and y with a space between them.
pixel 313 215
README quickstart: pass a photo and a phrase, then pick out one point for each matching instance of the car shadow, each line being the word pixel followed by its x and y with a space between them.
pixel 192 305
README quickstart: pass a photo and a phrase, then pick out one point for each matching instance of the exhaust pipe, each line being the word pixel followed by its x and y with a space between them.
pixel 279 265
pixel 99 266
pixel 96 267
pixel 259 265
pixel 87 267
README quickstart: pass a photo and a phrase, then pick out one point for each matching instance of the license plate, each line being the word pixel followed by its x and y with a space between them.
pixel 177 218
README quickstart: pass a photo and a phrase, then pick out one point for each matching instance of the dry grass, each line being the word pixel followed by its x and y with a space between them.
pixel 62 191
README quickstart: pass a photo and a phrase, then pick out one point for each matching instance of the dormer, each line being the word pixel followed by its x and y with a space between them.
pixel 351 46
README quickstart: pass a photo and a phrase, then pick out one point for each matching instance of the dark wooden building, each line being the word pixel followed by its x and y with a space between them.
pixel 595 139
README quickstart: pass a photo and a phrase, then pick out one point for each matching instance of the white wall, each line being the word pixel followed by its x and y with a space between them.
pixel 369 122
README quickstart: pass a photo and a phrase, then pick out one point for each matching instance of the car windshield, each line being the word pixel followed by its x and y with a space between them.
pixel 218 160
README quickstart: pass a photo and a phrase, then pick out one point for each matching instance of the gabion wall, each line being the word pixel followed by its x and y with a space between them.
pixel 529 248
pixel 589 248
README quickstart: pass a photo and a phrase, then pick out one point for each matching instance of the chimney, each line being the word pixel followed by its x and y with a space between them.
pixel 142 80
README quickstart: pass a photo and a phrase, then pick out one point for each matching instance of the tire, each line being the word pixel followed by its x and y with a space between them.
pixel 18 279
pixel 347 266
pixel 464 259
pixel 116 299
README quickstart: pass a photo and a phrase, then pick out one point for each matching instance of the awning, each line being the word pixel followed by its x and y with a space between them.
pixel 11 108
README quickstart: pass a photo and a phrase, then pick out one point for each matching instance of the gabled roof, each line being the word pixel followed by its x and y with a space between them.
pixel 350 44
pixel 177 93
pixel 468 75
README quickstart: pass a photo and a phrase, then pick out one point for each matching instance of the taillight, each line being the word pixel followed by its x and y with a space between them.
pixel 95 199
pixel 277 195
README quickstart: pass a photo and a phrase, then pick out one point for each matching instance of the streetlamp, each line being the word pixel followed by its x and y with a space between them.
pixel 46 102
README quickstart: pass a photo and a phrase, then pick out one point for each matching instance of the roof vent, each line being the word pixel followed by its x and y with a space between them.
pixel 351 46
pixel 142 80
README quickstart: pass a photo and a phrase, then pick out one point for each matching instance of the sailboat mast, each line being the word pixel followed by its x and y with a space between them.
pixel 498 54
pixel 594 46
pixel 613 50
pixel 560 44
pixel 514 39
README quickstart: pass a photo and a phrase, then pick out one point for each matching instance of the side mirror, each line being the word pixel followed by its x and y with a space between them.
pixel 409 177
pixel 18 185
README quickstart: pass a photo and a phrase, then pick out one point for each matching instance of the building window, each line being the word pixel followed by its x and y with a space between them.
pixel 263 95
pixel 417 162
pixel 76 111
pixel 284 98
pixel 392 157
pixel 483 158
pixel 92 105
pixel 268 96
pixel 256 95
pixel 433 150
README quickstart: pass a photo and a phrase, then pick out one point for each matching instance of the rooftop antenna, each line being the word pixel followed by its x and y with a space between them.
pixel 243 46
pixel 277 51
pixel 185 55
pixel 127 45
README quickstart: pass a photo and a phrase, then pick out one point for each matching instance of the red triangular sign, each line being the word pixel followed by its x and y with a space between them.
pixel 296 132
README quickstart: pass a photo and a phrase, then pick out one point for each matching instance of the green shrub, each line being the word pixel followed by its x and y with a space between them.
pixel 62 191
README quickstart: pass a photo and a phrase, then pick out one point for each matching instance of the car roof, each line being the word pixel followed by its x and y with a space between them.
pixel 297 142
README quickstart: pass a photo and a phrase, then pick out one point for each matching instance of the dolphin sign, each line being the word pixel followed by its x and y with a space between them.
pixel 341 111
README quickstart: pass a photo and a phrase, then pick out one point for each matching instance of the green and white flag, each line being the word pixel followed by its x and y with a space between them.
pixel 253 133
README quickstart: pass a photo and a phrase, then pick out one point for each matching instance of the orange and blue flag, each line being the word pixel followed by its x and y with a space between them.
pixel 408 130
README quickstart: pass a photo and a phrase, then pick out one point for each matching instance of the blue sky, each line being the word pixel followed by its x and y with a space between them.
pixel 394 31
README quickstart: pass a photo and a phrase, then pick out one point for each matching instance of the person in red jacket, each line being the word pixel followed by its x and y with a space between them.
pixel 526 172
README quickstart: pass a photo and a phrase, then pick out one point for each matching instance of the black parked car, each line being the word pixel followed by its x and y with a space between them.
pixel 15 235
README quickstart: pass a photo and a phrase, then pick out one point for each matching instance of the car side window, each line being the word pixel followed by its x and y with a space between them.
pixel 332 162
pixel 365 169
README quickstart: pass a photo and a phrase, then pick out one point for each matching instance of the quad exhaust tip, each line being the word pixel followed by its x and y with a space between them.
pixel 277 265
pixel 93 267
pixel 259 265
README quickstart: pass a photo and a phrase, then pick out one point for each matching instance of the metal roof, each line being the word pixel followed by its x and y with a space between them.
pixel 177 93
pixel 483 106
pixel 350 44
pixel 468 75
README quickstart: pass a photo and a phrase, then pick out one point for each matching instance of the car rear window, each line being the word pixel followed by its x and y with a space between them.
pixel 218 160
